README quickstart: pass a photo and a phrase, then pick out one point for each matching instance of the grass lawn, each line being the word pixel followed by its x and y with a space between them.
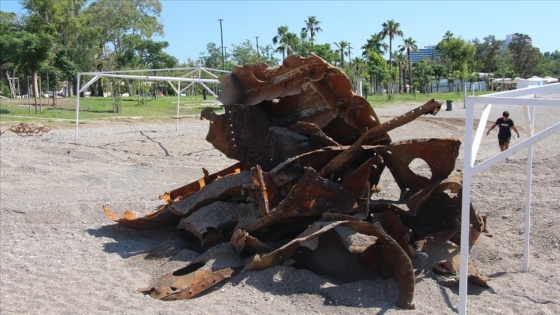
pixel 92 108
pixel 102 108
pixel 381 100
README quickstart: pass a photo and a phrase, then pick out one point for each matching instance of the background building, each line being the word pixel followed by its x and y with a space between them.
pixel 509 39
pixel 429 52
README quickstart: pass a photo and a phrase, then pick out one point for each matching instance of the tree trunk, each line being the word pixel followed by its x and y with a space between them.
pixel 35 89
pixel 409 73
pixel 99 84
pixel 11 84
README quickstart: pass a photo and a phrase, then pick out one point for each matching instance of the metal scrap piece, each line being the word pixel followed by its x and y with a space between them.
pixel 153 220
pixel 346 157
pixel 25 130
pixel 309 198
pixel 394 260
pixel 165 215
pixel 253 83
pixel 214 223
pixel 437 207
pixel 183 284
pixel 229 187
pixel 447 261
pixel 191 188
pixel 439 154
pixel 260 190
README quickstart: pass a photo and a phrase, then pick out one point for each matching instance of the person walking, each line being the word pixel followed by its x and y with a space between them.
pixel 504 134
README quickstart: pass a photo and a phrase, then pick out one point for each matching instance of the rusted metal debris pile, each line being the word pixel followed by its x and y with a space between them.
pixel 311 153
pixel 25 130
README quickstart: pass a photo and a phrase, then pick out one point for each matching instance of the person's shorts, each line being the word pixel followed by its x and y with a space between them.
pixel 503 139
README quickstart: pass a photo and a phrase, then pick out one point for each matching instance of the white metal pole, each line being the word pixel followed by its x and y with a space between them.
pixel 28 94
pixel 465 211
pixel 360 87
pixel 178 100
pixel 528 192
pixel 465 94
pixel 480 130
pixel 77 106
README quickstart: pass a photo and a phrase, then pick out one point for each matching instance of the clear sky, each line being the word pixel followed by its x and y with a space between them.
pixel 190 25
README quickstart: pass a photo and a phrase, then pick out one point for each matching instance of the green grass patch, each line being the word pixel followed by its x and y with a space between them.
pixel 92 108
pixel 381 100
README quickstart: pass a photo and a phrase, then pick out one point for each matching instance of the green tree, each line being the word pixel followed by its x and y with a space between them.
pixel 326 52
pixel 111 20
pixel 423 74
pixel 213 57
pixel 448 36
pixel 439 72
pixel 312 27
pixel 267 55
pixel 378 70
pixel 409 46
pixel 280 40
pixel 10 30
pixel 40 39
pixel 549 65
pixel 460 56
pixel 244 53
pixel 291 43
pixel 391 29
pixel 525 57
pixel 342 45
pixel 487 53
pixel 446 39
pixel 400 63
pixel 374 43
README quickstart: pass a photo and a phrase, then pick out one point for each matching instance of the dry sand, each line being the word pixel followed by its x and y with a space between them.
pixel 61 255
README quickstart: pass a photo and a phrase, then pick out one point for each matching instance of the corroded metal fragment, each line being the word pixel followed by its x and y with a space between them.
pixel 184 284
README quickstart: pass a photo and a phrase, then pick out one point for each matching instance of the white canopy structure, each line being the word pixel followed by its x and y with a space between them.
pixel 193 75
pixel 529 98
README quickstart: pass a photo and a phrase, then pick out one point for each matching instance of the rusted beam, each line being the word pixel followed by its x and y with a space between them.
pixel 344 158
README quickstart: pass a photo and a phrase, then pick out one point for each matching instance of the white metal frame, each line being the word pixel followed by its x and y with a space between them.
pixel 529 98
pixel 135 75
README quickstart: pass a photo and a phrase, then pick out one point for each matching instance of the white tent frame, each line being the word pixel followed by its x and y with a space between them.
pixel 529 98
pixel 135 75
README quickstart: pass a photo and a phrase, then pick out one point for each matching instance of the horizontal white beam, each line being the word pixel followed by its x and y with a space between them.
pixel 544 89
pixel 153 70
pixel 516 101
pixel 155 78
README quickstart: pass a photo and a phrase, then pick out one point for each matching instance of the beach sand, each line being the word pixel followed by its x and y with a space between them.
pixel 60 254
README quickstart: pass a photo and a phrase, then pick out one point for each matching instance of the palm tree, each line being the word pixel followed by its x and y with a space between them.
pixel 375 43
pixel 311 26
pixel 280 39
pixel 409 46
pixel 291 41
pixel 349 54
pixel 448 36
pixel 400 62
pixel 391 29
pixel 341 48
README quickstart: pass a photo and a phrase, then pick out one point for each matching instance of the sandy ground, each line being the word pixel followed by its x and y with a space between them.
pixel 61 255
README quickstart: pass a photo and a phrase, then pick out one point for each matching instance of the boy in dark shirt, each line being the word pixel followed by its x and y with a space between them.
pixel 504 133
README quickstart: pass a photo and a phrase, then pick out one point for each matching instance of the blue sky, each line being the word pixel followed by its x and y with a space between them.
pixel 191 25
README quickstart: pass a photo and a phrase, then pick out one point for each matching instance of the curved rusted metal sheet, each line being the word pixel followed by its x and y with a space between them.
pixel 439 154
